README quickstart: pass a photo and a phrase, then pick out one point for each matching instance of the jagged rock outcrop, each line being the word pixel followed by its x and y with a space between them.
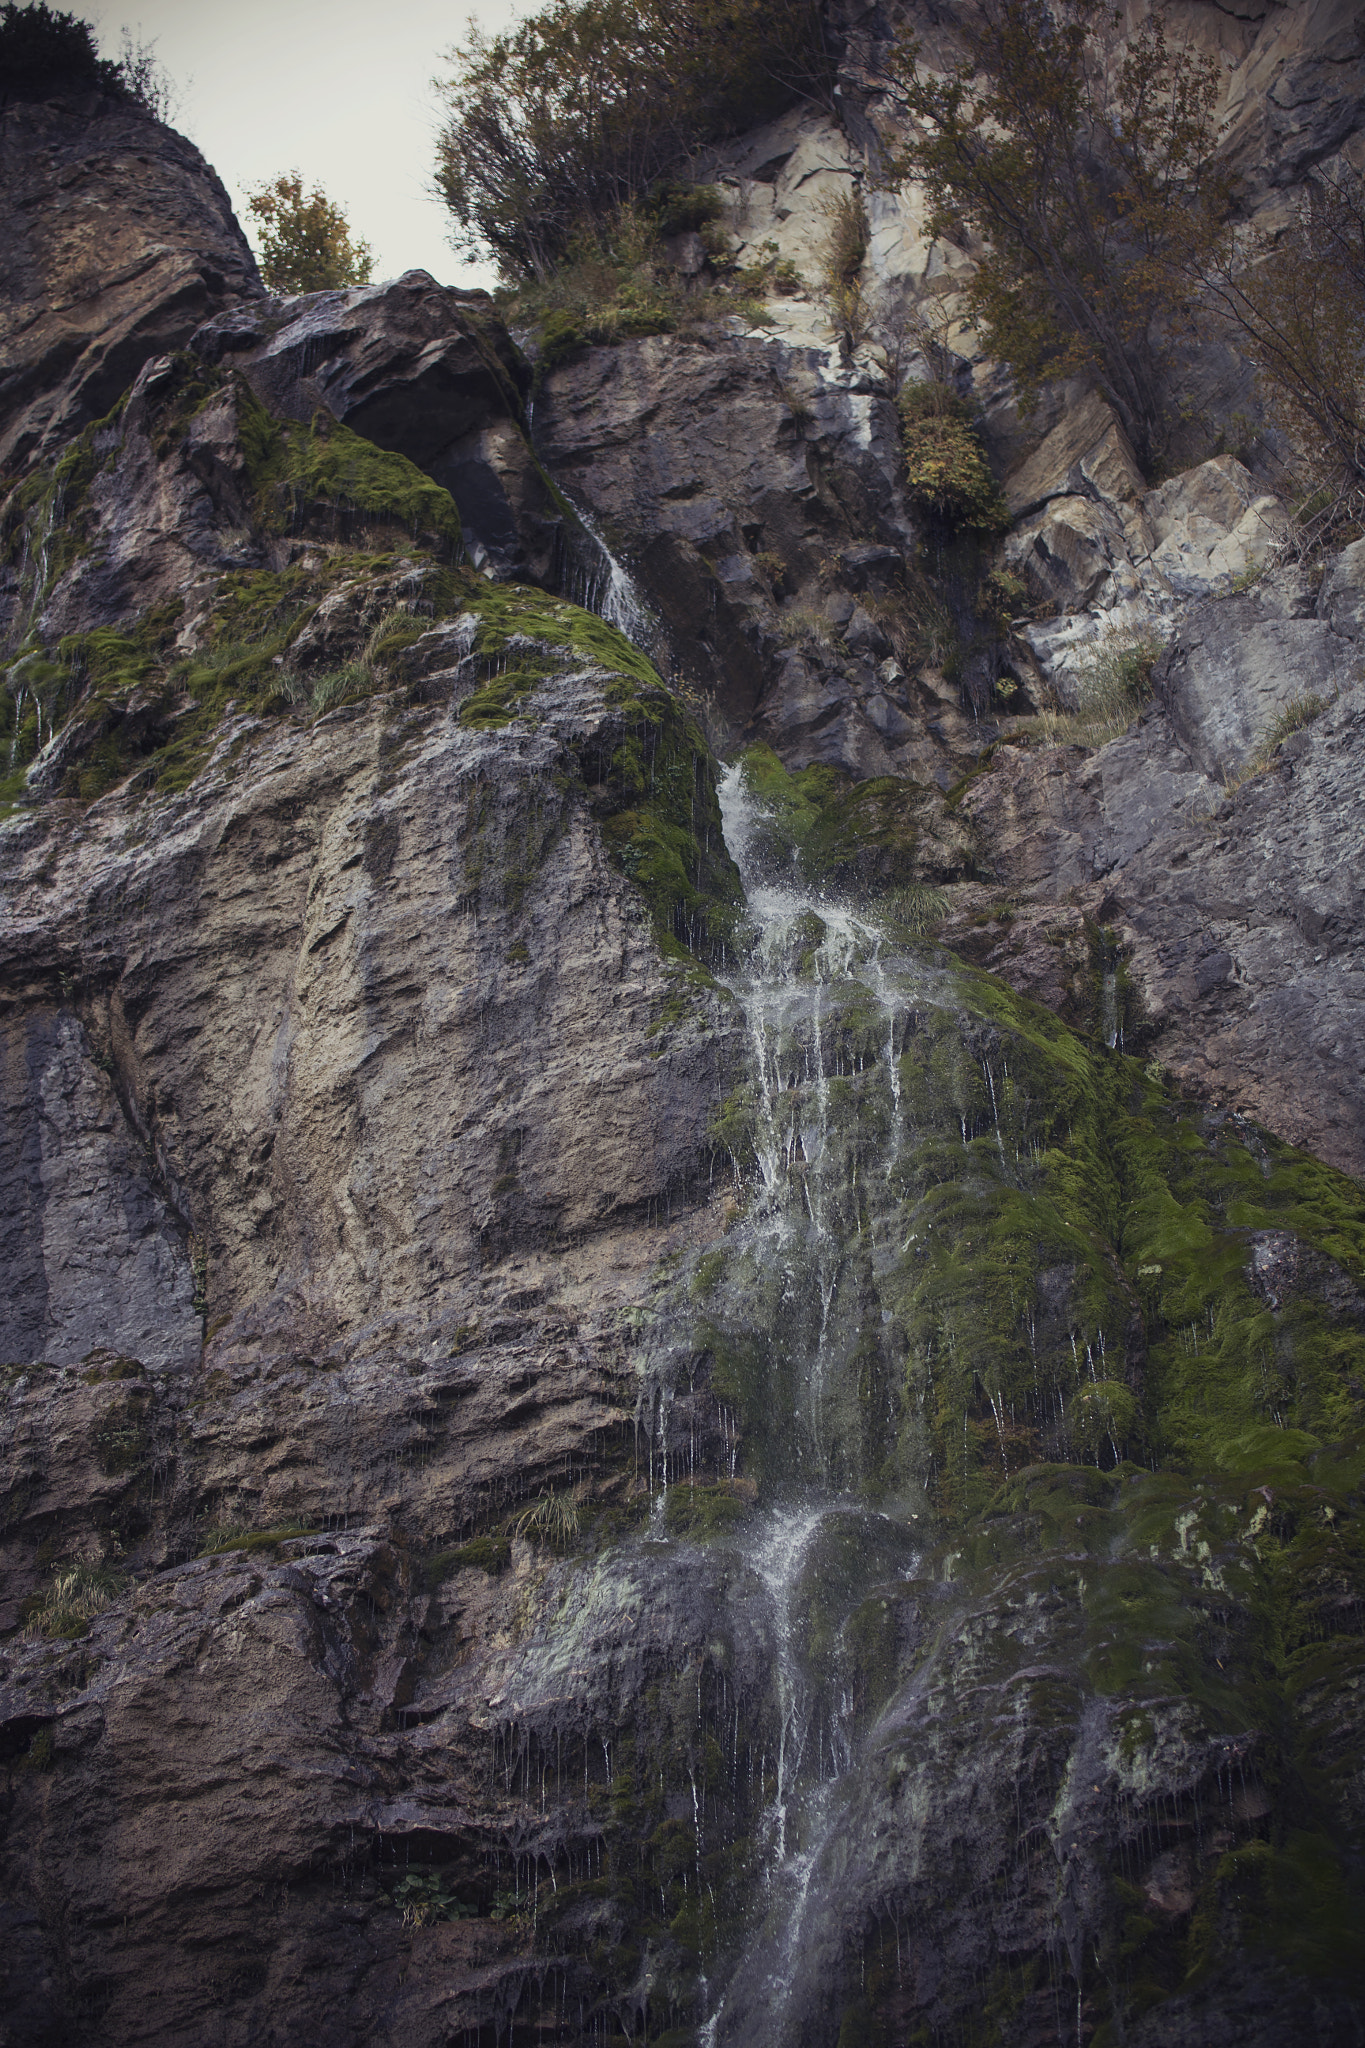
pixel 116 240
pixel 727 475
pixel 1227 871
pixel 425 371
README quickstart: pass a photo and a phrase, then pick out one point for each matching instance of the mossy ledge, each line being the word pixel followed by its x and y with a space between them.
pixel 647 769
pixel 339 529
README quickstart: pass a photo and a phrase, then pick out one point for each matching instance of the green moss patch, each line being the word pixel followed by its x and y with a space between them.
pixel 887 836
pixel 490 1554
pixel 705 1511
pixel 255 1542
pixel 322 478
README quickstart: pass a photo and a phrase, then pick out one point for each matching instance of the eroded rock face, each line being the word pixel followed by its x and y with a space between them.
pixel 1235 903
pixel 116 240
pixel 339 898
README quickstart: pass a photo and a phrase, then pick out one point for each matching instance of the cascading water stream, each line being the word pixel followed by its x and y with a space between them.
pixel 827 1129
pixel 824 1016
pixel 602 584
pixel 819 1374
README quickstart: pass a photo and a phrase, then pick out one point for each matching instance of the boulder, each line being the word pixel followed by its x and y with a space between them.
pixel 1112 560
pixel 421 369
pixel 116 241
pixel 1209 527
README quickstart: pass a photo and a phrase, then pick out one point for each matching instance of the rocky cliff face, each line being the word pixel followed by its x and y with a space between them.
pixel 118 241
pixel 601 1444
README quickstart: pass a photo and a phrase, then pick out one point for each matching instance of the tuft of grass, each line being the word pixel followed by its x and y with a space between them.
pixel 1113 683
pixel 69 1605
pixel 842 255
pixel 1300 711
pixel 552 1519
pixel 616 282
pixel 916 909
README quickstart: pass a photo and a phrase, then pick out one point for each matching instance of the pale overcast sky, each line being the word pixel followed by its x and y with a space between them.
pixel 341 90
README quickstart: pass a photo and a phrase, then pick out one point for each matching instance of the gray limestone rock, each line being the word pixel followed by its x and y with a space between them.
pixel 116 241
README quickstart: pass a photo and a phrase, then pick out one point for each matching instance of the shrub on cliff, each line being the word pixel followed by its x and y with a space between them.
pixel 43 51
pixel 1089 184
pixel 616 281
pixel 947 473
pixel 581 108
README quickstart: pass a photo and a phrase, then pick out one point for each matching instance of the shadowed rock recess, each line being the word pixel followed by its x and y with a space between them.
pixel 683 1329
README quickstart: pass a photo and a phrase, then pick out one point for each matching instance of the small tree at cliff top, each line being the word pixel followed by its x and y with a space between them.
pixel 306 241
pixel 1090 185
pixel 576 112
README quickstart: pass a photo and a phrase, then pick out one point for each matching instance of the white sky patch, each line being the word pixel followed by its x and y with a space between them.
pixel 339 91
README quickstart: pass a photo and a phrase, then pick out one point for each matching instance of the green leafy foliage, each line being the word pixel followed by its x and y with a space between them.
pixel 306 241
pixel 423 1896
pixel 947 473
pixel 581 108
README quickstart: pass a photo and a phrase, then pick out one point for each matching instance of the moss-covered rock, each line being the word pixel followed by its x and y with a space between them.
pixel 887 836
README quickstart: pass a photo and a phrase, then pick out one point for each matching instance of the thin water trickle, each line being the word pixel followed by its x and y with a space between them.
pixel 606 586
pixel 811 964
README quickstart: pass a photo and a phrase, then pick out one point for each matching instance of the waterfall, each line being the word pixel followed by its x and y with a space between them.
pixel 825 1013
pixel 844 1367
pixel 601 583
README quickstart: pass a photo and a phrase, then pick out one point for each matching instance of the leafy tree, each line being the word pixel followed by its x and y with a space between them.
pixel 581 108
pixel 1091 185
pixel 306 242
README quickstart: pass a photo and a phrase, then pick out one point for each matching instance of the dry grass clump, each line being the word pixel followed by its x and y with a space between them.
pixel 1112 684
pixel 67 1607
